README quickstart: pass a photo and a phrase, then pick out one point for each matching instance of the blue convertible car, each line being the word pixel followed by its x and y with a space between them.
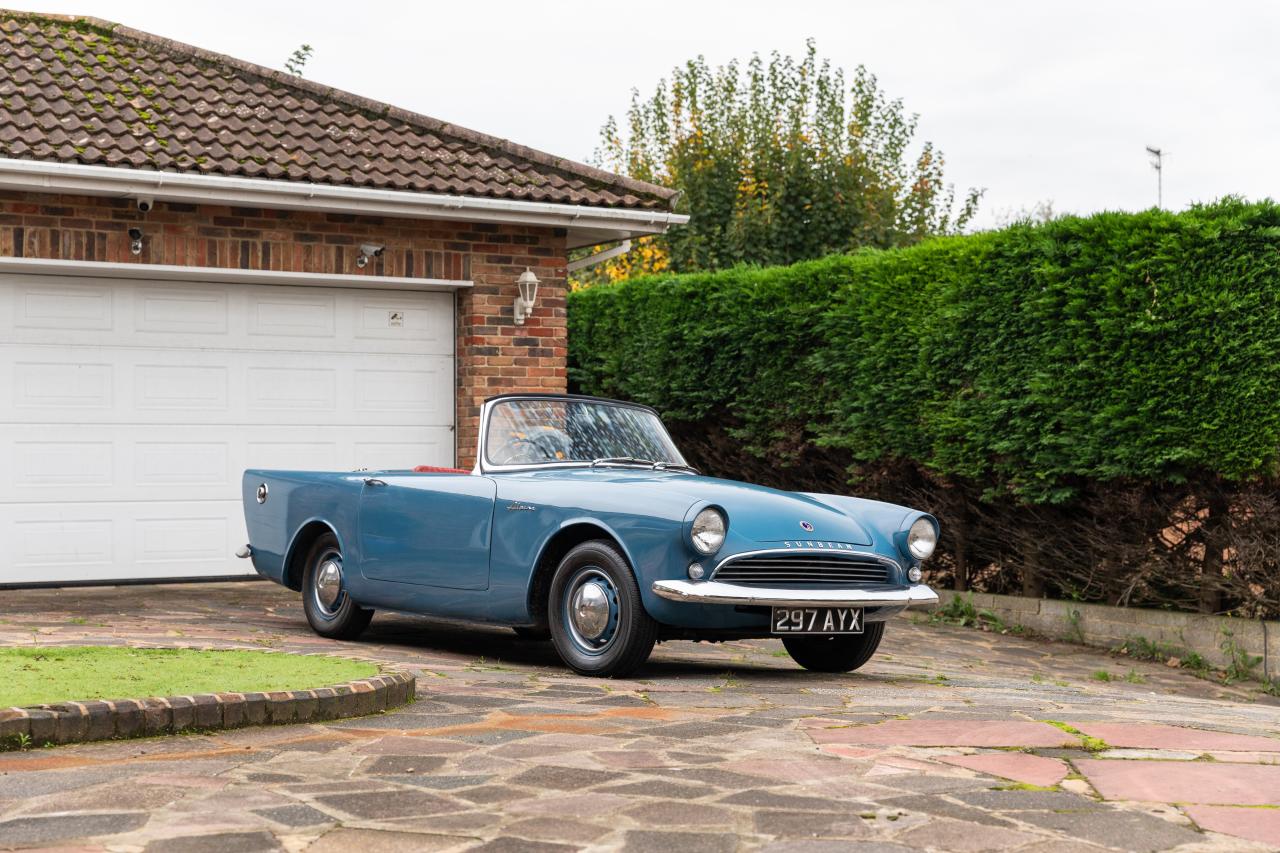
pixel 582 523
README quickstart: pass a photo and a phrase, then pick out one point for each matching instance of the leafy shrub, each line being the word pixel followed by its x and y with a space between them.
pixel 1089 405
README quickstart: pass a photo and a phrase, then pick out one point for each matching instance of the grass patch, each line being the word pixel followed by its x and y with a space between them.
pixel 43 675
pixel 1101 675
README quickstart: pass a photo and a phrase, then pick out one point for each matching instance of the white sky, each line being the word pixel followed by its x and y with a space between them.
pixel 1035 101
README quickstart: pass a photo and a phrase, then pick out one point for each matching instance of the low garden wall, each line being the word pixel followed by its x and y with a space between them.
pixel 1222 642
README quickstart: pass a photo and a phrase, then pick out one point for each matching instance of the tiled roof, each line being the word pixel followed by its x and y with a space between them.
pixel 81 90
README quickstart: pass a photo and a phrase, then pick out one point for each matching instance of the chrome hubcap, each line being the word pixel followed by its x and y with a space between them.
pixel 590 610
pixel 328 584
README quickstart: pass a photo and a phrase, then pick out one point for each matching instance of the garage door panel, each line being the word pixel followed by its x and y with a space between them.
pixel 54 386
pixel 129 410
pixel 52 311
pixel 283 313
pixel 233 388
pixel 62 306
pixel 189 310
pixel 122 540
pixel 65 462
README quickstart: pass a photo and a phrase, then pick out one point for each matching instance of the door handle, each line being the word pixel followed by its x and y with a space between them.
pixel 374 481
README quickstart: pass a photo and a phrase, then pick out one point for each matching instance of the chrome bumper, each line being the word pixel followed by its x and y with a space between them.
pixel 716 592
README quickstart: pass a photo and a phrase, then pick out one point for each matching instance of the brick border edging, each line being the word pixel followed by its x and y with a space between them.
pixel 79 722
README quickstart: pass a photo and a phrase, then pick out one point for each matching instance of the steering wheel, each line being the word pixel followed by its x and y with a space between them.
pixel 509 453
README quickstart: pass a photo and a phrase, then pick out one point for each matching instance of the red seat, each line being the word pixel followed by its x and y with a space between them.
pixel 435 469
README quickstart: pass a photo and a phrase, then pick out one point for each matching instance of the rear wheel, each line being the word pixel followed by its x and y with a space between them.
pixel 329 608
pixel 598 622
pixel 836 653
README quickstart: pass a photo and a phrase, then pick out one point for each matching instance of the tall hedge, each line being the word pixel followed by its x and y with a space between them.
pixel 1027 368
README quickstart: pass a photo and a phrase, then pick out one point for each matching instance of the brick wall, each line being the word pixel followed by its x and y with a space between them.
pixel 494 355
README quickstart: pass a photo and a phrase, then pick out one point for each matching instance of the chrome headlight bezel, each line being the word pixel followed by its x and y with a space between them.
pixel 708 530
pixel 922 539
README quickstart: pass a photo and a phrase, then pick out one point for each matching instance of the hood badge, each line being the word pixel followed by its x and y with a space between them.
pixel 806 527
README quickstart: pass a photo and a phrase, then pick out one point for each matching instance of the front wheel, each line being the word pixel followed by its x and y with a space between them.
pixel 329 608
pixel 598 622
pixel 836 653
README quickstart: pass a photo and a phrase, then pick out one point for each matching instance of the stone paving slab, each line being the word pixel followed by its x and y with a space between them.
pixel 942 742
pixel 1184 782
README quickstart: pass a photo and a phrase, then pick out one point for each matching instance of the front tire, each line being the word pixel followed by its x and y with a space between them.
pixel 329 607
pixel 836 653
pixel 598 622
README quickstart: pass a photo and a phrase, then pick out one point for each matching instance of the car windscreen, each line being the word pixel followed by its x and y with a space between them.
pixel 534 431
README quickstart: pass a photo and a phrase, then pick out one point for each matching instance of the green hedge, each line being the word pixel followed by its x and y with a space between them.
pixel 1031 361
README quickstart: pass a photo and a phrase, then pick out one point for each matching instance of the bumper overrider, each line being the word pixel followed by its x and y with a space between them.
pixel 719 592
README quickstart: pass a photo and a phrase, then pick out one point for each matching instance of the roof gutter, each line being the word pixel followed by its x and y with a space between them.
pixel 587 226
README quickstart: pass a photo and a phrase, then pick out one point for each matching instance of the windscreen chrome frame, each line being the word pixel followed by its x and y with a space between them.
pixel 483 466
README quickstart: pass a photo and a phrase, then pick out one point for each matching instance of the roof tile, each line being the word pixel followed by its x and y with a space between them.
pixel 89 91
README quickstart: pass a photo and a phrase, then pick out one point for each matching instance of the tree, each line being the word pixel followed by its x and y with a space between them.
pixel 782 163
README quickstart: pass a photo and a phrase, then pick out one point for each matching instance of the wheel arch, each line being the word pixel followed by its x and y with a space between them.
pixel 310 530
pixel 569 536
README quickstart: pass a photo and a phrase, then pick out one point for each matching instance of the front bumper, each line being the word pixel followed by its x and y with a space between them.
pixel 716 592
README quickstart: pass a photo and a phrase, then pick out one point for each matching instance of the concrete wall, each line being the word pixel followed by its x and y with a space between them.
pixel 1107 627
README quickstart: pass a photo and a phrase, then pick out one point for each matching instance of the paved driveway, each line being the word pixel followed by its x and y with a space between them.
pixel 941 742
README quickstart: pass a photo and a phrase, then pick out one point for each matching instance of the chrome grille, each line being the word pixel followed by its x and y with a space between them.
pixel 790 567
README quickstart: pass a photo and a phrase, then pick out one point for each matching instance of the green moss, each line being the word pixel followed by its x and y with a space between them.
pixel 1090 743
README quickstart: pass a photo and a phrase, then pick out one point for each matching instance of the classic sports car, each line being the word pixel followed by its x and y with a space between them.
pixel 582 523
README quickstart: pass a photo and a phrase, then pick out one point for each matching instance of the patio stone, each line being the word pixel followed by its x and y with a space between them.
pixel 295 815
pixel 1184 781
pixel 47 829
pixel 241 842
pixel 964 837
pixel 347 839
pixel 1261 825
pixel 936 732
pixel 1127 830
pixel 392 803
pixel 650 841
pixel 1153 736
pixel 1018 766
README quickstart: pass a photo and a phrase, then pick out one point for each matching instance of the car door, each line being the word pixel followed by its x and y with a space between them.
pixel 427 529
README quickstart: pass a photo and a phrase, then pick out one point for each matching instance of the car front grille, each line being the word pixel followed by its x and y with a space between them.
pixel 790 567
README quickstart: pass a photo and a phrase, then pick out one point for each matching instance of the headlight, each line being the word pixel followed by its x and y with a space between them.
pixel 922 539
pixel 708 531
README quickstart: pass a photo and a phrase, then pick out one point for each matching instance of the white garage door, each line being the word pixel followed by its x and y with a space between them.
pixel 129 409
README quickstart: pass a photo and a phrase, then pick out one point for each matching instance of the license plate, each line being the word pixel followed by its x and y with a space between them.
pixel 817 620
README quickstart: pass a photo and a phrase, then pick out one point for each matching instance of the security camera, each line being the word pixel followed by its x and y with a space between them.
pixel 367 251
pixel 145 203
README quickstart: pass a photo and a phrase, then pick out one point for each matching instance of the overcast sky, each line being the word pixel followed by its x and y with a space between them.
pixel 1035 101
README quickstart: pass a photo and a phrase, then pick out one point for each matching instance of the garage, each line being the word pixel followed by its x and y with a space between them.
pixel 129 408
pixel 207 265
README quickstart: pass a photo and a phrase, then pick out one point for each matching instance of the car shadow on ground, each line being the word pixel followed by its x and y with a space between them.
pixel 500 645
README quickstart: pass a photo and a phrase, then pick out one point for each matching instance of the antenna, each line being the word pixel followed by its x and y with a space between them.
pixel 1157 163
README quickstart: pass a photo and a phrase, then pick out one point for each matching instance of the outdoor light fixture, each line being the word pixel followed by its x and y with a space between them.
pixel 528 284
pixel 135 241
pixel 367 251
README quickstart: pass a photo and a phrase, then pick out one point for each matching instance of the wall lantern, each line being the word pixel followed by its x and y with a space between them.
pixel 528 284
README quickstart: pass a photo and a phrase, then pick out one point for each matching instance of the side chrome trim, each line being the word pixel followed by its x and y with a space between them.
pixel 715 592
pixel 889 561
